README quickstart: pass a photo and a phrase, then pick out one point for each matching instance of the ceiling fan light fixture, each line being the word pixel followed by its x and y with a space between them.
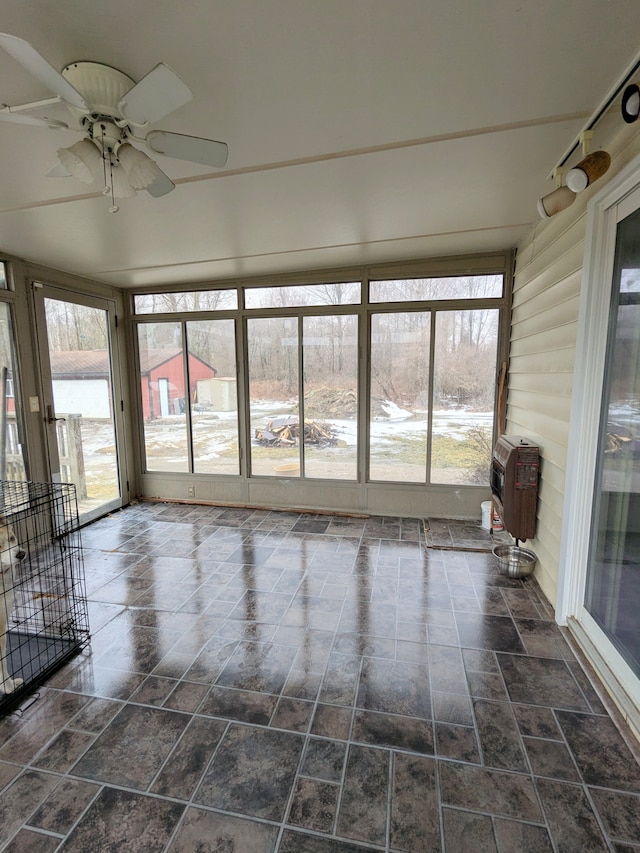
pixel 630 106
pixel 107 105
pixel 120 183
pixel 82 160
pixel 140 170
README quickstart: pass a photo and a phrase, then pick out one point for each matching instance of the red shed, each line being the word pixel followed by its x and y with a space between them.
pixel 162 381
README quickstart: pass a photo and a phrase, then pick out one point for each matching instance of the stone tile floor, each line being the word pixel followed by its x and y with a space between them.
pixel 452 534
pixel 271 681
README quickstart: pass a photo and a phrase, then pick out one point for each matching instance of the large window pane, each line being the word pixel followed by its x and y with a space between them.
pixel 162 382
pixel 399 396
pixel 330 353
pixel 214 396
pixel 451 287
pixel 273 396
pixel 464 391
pixel 12 463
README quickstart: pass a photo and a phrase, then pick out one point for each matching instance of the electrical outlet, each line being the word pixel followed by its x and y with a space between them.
pixel 192 491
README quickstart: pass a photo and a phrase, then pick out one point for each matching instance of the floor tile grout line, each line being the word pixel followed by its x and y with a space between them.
pixel 83 813
pixel 565 742
pixel 176 830
pixel 175 747
pixel 291 795
pixel 192 803
pixel 499 815
pixel 598 818
pixel 41 831
pixel 389 819
pixel 29 763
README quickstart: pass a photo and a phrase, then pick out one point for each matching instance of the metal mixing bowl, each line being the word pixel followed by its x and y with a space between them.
pixel 515 562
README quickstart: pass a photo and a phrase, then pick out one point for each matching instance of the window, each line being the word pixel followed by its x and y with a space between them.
pixel 330 363
pixel 12 451
pixel 162 386
pixel 189 396
pixel 465 355
pixel 195 300
pixel 442 437
pixel 295 296
pixel 428 289
pixel 399 400
pixel 274 390
pixel 307 430
pixel 213 396
pixel 273 395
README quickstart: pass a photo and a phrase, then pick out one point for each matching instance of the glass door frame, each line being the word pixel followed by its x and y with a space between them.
pixel 43 290
pixel 617 200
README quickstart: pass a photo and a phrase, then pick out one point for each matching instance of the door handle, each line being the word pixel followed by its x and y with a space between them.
pixel 51 418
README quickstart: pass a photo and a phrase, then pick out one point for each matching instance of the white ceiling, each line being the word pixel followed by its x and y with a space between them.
pixel 359 131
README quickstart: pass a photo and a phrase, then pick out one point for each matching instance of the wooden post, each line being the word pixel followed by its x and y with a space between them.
pixel 69 434
pixel 502 382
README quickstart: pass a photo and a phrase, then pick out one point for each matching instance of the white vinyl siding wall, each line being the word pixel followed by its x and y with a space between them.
pixel 544 322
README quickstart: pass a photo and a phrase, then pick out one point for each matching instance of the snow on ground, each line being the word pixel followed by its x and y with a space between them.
pixel 625 414
pixel 217 432
pixel 222 428
pixel 446 422
pixel 395 413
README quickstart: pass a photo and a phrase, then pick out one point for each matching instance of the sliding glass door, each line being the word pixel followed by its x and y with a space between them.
pixel 599 583
pixel 612 595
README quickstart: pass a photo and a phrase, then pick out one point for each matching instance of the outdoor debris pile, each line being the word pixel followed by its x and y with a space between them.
pixel 285 432
pixel 331 402
pixel 339 403
pixel 618 445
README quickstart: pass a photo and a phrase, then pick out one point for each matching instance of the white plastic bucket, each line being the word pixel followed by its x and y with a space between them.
pixel 485 506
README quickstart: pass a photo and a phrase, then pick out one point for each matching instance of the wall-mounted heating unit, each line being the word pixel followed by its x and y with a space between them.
pixel 514 484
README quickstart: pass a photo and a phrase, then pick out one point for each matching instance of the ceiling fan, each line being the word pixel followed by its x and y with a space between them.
pixel 111 110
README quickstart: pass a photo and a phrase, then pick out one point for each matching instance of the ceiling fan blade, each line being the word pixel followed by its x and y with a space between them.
pixel 57 171
pixel 161 186
pixel 37 65
pixel 6 114
pixel 195 149
pixel 159 93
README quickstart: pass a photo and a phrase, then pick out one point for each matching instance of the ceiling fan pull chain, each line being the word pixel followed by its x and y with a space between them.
pixel 114 207
pixel 105 191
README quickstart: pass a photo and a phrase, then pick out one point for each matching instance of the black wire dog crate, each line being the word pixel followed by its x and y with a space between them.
pixel 43 602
